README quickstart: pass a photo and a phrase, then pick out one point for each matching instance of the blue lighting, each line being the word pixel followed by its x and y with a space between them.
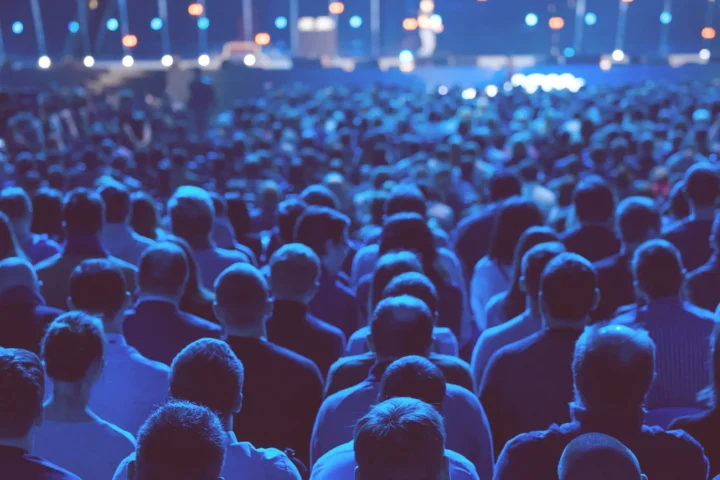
pixel 74 27
pixel 436 19
pixel 17 28
pixel 203 23
pixel 356 21
pixel 156 23
pixel 406 56
pixel 665 18
pixel 281 22
pixel 590 18
pixel 569 52
pixel 531 19
pixel 112 24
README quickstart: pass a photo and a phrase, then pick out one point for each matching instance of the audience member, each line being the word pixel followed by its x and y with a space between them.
pixel 196 299
pixel 595 456
pixel 118 237
pixel 9 245
pixel 16 204
pixel 701 284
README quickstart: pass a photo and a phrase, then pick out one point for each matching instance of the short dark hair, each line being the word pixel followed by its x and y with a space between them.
pixel 414 377
pixel 400 438
pixel 117 203
pixel 702 184
pixel 15 203
pixel 47 205
pixel 286 217
pixel 294 271
pixel 569 287
pixel 405 199
pixel 636 218
pixel 416 285
pixel 658 269
pixel 182 441
pixel 72 342
pixel 84 212
pixel 594 200
pixel 321 196
pixel 317 225
pixel 207 372
pixel 22 388
pixel 534 263
pixel 596 455
pixel 144 217
pixel 613 367
pixel 388 267
pixel 516 215
pixel 401 326
pixel 192 212
pixel 502 185
pixel 97 286
pixel 163 268
pixel 242 287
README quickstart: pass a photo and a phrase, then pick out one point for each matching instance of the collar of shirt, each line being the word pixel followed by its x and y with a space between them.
pixel 231 438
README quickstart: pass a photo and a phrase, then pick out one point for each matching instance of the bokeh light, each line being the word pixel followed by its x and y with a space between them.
pixel 556 23
pixel 590 18
pixel 89 61
pixel 156 23
pixel 704 54
pixel 73 27
pixel 204 60
pixel 618 55
pixel 666 18
pixel 44 62
pixel 708 33
pixel 17 28
pixel 130 41
pixel 356 21
pixel 167 60
pixel 281 23
pixel 406 56
pixel 569 52
pixel 531 20
pixel 427 6
pixel 336 8
pixel 203 23
pixel 262 39
pixel 469 94
pixel 410 24
pixel 491 91
pixel 128 61
pixel 196 9
pixel 112 24
pixel 250 60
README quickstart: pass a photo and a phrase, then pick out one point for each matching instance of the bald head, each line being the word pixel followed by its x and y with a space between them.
pixel 17 272
pixel 242 297
pixel 595 456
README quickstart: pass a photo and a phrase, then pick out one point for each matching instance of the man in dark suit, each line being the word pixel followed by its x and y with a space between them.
pixel 157 327
pixel 284 389
pixel 396 331
pixel 528 384
pixel 692 235
pixel 595 238
pixel 638 220
pixel 702 285
pixel 325 231
pixel 294 275
pixel 23 313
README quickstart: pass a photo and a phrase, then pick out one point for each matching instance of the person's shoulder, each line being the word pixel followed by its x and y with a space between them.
pixel 459 465
pixel 295 362
pixel 700 314
pixel 149 366
pixel 533 441
pixel 37 468
pixel 679 442
pixel 269 463
pixel 126 267
pixel 608 263
pixel 327 330
pixel 690 422
pixel 121 472
pixel 483 264
pixel 231 255
pixel 115 433
pixel 353 361
pixel 143 241
pixel 201 323
pixel 48 263
pixel 441 359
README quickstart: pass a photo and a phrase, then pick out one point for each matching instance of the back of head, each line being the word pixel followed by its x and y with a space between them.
pixel 22 388
pixel 613 368
pixel 117 203
pixel 596 456
pixel 16 204
pixel 413 377
pixel 405 199
pixel 658 269
pixel 515 217
pixel 401 439
pixel 241 295
pixel 594 200
pixel 84 212
pixel 321 196
pixel 534 263
pixel 408 231
pixel 568 289
pixel 220 205
pixel 163 270
pixel 401 326
pixel 47 216
pixel 144 217
pixel 702 185
pixel 294 272
pixel 638 219
pixel 73 343
pixel 416 285
pixel 503 185
pixel 181 441
pixel 98 287
pixel 208 373
pixel 388 267
pixel 317 225
pixel 16 272
pixel 191 212
pixel 286 217
pixel 237 212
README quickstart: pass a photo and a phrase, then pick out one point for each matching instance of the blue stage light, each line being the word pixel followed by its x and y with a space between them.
pixel 665 18
pixel 356 21
pixel 569 52
pixel 590 18
pixel 112 24
pixel 281 23
pixel 203 23
pixel 17 28
pixel 74 27
pixel 531 19
pixel 156 23
pixel 406 56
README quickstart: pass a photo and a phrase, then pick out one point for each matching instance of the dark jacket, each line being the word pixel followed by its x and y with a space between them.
pixel 692 238
pixel 594 242
pixel 335 303
pixel 703 285
pixel 17 464
pixel 24 318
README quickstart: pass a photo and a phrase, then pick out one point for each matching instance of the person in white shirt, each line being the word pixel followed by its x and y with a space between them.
pixel 130 386
pixel 208 373
pixel 72 435
pixel 413 377
pixel 118 237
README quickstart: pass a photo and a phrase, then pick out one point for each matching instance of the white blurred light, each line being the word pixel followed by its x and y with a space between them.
pixel 469 94
pixel 531 87
pixel 605 64
pixel 167 60
pixel 704 54
pixel 618 55
pixel 128 61
pixel 491 91
pixel 44 62
pixel 204 60
pixel 406 56
pixel 250 60
pixel 443 90
pixel 324 24
pixel 88 61
pixel 518 79
pixel 306 24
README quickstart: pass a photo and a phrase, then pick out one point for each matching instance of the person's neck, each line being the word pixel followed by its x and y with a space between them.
pixel 23 443
pixel 565 324
pixel 605 224
pixel 69 402
pixel 149 295
pixel 253 331
pixel 300 301
pixel 704 212
pixel 114 324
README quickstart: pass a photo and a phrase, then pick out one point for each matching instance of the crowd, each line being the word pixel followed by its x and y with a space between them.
pixel 378 282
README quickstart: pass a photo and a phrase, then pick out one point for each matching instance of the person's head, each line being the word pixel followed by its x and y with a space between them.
pixel 503 185
pixel 596 456
pixel 194 290
pixel 401 326
pixel 399 439
pixel 414 377
pixel 17 272
pixel 388 267
pixel 83 212
pixel 208 373
pixel 47 215
pixel 702 186
pixel 568 291
pixel 405 199
pixel 409 231
pixel 16 204
pixel 192 213
pixel 286 217
pixel 658 270
pixel 294 273
pixel 182 441
pixel 533 266
pixel 613 368
pixel 97 287
pixel 238 213
pixel 638 220
pixel 242 300
pixel 416 285
pixel 144 216
pixel 321 196
pixel 325 231
pixel 678 207
pixel 22 388
pixel 9 245
pixel 73 350
pixel 594 201
pixel 117 203
pixel 514 218
pixel 163 271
